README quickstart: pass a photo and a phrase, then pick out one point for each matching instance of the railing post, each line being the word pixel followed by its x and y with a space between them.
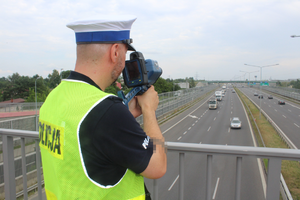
pixel 208 177
pixel 155 189
pixel 181 176
pixel 238 178
pixel 8 164
pixel 38 167
pixel 273 180
pixel 24 171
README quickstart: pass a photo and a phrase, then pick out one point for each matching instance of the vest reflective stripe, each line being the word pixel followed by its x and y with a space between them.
pixel 64 172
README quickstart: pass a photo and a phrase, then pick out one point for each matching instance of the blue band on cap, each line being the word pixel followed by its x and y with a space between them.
pixel 102 36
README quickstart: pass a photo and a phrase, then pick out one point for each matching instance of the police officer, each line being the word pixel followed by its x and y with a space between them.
pixel 91 145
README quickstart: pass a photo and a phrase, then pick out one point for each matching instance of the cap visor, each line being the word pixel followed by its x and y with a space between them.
pixel 130 48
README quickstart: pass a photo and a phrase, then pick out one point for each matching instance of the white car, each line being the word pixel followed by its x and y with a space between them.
pixel 236 123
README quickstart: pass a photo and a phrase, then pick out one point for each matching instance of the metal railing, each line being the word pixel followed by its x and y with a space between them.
pixel 275 156
pixel 284 91
pixel 19 107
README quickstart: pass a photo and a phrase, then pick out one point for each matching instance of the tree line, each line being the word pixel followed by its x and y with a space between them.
pixel 293 83
pixel 16 86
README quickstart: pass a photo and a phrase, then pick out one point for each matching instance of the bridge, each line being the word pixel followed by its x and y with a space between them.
pixel 206 159
pixel 241 81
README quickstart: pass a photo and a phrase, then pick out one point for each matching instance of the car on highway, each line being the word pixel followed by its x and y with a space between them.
pixel 260 96
pixel 270 97
pixel 281 102
pixel 236 123
pixel 255 94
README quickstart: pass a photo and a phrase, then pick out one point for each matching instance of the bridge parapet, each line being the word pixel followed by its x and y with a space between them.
pixel 274 155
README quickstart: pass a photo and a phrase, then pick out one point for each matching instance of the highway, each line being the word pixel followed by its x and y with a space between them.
pixel 287 117
pixel 200 125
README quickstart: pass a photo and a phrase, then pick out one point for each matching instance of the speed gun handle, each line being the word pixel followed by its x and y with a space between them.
pixel 132 93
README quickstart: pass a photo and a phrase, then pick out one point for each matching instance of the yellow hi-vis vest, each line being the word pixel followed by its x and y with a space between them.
pixel 63 167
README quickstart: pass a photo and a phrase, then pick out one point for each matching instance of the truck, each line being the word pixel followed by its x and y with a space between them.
pixel 224 87
pixel 212 104
pixel 218 95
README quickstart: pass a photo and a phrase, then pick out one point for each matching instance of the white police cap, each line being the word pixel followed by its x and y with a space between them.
pixel 106 29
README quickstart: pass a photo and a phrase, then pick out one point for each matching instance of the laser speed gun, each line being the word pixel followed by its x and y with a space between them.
pixel 139 74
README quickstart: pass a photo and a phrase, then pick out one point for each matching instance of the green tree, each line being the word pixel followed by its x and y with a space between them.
pixel 278 83
pixel 192 82
pixel 53 79
pixel 162 86
pixel 295 84
pixel 112 89
pixel 65 74
pixel 41 97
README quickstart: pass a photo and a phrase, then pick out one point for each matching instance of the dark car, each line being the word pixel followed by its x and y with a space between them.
pixel 270 97
pixel 281 102
pixel 260 96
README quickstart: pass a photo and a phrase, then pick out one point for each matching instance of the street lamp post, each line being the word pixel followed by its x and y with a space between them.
pixel 61 70
pixel 249 73
pixel 36 121
pixel 293 36
pixel 260 82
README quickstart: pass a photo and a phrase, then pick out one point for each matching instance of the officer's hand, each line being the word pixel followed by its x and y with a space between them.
pixel 149 100
pixel 134 107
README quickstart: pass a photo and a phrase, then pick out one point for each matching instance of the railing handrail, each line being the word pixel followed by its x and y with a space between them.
pixel 262 152
pixel 19 133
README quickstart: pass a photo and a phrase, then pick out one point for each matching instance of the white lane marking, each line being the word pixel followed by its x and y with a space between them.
pixel 193 125
pixel 189 128
pixel 208 128
pixel 275 110
pixel 215 118
pixel 183 118
pixel 231 112
pixel 228 130
pixel 179 138
pixel 289 110
pixel 173 183
pixel 269 106
pixel 184 133
pixel 216 188
pixel 283 116
pixel 219 111
pixel 193 116
pixel 296 125
pixel 197 121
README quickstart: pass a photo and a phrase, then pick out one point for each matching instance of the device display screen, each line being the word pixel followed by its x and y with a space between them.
pixel 133 70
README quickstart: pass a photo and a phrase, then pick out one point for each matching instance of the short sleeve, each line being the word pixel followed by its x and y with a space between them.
pixel 123 140
pixel 111 141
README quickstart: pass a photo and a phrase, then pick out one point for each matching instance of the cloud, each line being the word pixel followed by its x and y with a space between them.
pixel 211 38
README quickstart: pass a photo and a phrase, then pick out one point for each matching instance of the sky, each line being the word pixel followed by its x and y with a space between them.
pixel 203 39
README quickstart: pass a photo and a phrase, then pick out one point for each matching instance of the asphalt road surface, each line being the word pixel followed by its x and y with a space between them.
pixel 286 117
pixel 200 125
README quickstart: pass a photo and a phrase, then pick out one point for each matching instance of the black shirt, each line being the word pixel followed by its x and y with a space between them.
pixel 111 140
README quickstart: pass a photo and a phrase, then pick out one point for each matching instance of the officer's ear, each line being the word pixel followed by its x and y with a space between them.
pixel 115 52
